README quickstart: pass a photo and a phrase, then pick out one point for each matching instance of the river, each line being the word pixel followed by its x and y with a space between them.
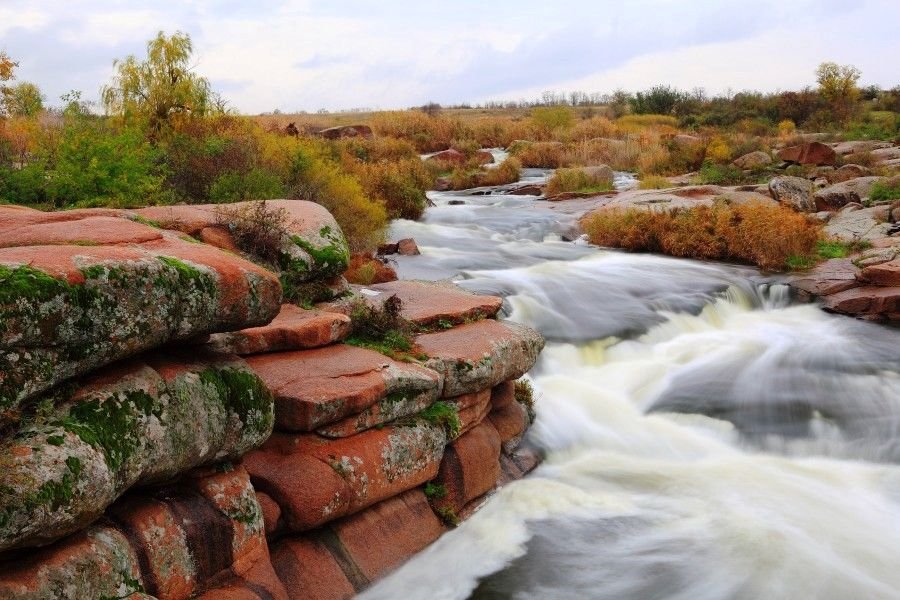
pixel 705 436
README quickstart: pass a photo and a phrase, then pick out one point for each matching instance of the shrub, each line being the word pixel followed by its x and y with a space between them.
pixel 576 180
pixel 382 329
pixel 654 182
pixel 885 191
pixel 509 171
pixel 759 234
pixel 596 127
pixel 541 155
pixel 718 174
pixel 399 186
pixel 718 151
pixel 660 100
pixel 233 186
pixel 257 229
pixel 786 128
pixel 643 121
pixel 550 118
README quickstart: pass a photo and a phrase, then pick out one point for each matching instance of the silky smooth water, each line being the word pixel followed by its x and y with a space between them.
pixel 704 436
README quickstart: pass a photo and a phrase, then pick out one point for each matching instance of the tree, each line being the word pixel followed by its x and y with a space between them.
pixel 22 100
pixel 7 65
pixel 837 85
pixel 160 90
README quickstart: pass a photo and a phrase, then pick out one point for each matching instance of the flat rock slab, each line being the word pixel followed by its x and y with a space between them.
pixel 855 225
pixel 426 303
pixel 294 328
pixel 832 276
pixel 315 388
pixel 315 480
pixel 137 422
pixel 478 356
pixel 80 290
pixel 873 302
pixel 886 273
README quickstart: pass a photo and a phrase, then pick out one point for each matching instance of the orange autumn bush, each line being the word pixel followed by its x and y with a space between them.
pixel 770 237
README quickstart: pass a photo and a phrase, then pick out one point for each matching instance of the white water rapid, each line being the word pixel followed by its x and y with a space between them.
pixel 704 437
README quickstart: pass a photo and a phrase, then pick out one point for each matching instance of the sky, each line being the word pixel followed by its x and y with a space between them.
pixel 295 55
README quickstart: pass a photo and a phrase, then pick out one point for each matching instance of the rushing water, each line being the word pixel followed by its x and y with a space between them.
pixel 704 437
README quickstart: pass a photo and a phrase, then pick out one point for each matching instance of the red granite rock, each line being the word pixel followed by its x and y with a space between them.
pixel 472 408
pixel 886 274
pixel 470 467
pixel 427 303
pixel 294 328
pixel 511 421
pixel 317 387
pixel 478 356
pixel 503 394
pixel 812 153
pixel 309 571
pixel 384 536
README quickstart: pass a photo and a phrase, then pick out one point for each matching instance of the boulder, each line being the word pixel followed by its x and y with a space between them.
pixel 794 192
pixel 810 153
pixel 832 276
pixel 315 480
pixel 684 140
pixel 846 173
pixel 139 422
pixel 407 247
pixel 885 273
pixel 835 196
pixel 78 291
pixel 480 355
pixel 483 157
pixel 858 224
pixel 315 388
pixel 366 269
pixel 753 160
pixel 873 302
pixel 884 155
pixel 311 572
pixel 346 131
pixel 510 421
pixel 530 189
pixel 450 156
pixel 472 409
pixel 294 328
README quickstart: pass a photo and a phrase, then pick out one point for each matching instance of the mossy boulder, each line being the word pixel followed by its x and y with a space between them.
pixel 140 422
pixel 81 292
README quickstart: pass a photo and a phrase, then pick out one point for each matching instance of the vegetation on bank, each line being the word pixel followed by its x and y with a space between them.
pixel 771 237
pixel 579 181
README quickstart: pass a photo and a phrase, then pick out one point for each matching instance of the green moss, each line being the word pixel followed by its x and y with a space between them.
pixel 52 494
pixel 27 284
pixel 244 394
pixel 435 491
pixel 146 221
pixel 56 440
pixel 112 425
pixel 524 393
pixel 330 260
pixel 443 414
pixel 188 275
pixel 448 515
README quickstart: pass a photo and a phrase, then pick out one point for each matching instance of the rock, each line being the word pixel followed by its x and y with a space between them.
pixel 472 409
pixel 315 480
pixel 387 249
pixel 530 189
pixel 795 192
pixel 510 421
pixel 313 246
pixel 877 256
pixel 68 307
pixel 220 237
pixel 429 304
pixel 832 276
pixel 753 160
pixel 407 247
pixel 294 328
pixel 443 184
pixel 740 198
pixel 483 157
pixel 314 388
pixel 364 269
pixel 503 394
pixel 885 273
pixel 846 173
pixel 310 571
pixel 380 539
pixel 600 175
pixel 172 543
pixel 517 465
pixel 884 155
pixel 480 355
pixel 450 156
pixel 820 183
pixel 859 146
pixel 811 153
pixel 860 224
pixel 470 468
pixel 271 512
pixel 138 422
pixel 870 301
pixel 663 200
pixel 346 131
pixel 840 194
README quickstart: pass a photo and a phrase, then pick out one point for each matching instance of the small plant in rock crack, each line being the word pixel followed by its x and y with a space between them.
pixel 382 329
pixel 258 229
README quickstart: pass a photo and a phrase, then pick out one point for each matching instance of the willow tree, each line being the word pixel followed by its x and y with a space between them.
pixel 161 90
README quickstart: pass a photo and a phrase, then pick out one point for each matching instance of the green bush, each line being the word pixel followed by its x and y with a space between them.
pixel 885 191
pixel 718 174
pixel 258 184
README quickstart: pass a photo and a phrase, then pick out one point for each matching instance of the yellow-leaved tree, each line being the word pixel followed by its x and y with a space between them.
pixel 837 85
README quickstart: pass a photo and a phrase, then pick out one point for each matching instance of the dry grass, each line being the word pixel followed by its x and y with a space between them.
pixel 654 182
pixel 541 155
pixel 770 237
pixel 576 180
pixel 508 171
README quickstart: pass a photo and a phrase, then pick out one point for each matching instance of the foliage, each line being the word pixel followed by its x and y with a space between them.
pixel 258 229
pixel 658 100
pixel 546 155
pixel 524 393
pixel 576 180
pixel 837 85
pixel 717 174
pixel 160 90
pixel 550 118
pixel 380 328
pixel 885 191
pixel 718 151
pixel 654 182
pixel 22 100
pixel 509 171
pixel 755 233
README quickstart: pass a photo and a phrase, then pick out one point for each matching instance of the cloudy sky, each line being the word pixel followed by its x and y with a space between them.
pixel 340 54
